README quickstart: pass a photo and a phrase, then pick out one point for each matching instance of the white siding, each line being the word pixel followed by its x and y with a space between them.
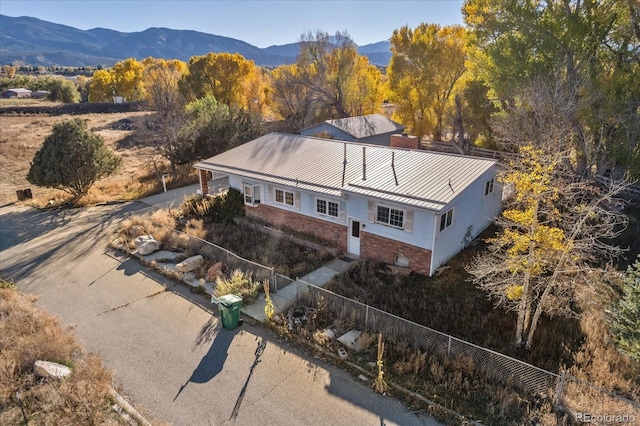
pixel 471 209
pixel 422 228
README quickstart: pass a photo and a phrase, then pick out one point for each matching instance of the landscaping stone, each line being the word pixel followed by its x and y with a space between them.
pixel 190 264
pixel 350 340
pixel 51 370
pixel 217 270
pixel 146 244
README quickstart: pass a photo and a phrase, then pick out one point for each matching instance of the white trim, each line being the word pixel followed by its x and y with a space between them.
pixel 490 182
pixel 404 214
pixel 444 214
pixel 327 201
pixel 284 197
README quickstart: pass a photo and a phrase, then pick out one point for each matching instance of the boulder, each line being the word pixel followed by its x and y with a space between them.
pixel 51 370
pixel 146 244
pixel 217 270
pixel 190 264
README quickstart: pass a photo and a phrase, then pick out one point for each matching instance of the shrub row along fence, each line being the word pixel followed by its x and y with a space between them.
pixel 582 399
pixel 192 244
pixel 575 396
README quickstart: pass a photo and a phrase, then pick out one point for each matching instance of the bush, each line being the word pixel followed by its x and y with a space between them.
pixel 221 209
pixel 240 283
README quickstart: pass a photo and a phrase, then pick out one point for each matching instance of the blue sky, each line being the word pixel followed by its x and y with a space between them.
pixel 259 22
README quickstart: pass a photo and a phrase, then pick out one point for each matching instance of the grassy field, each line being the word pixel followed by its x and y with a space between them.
pixel 22 135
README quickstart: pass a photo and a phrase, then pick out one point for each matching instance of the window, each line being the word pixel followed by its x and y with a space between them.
pixel 446 219
pixel 327 208
pixel 284 197
pixel 488 187
pixel 251 195
pixel 389 216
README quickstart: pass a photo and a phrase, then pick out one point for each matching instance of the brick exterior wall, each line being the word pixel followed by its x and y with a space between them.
pixel 380 249
pixel 204 181
pixel 332 232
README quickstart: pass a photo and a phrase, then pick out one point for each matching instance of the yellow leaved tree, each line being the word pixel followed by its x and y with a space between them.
pixel 553 233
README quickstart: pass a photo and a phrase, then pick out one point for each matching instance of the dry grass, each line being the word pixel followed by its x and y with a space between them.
pixel 28 334
pixel 22 135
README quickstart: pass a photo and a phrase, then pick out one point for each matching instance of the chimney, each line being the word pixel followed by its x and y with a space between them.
pixel 404 140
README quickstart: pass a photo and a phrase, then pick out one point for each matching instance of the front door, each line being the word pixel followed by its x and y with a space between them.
pixel 353 240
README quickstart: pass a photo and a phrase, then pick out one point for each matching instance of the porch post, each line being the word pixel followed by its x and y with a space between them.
pixel 204 182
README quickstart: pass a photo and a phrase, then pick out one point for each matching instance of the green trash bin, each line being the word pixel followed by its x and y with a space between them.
pixel 229 306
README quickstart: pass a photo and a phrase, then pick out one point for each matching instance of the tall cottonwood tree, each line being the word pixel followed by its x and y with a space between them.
pixel 592 48
pixel 336 80
pixel 554 234
pixel 124 79
pixel 222 75
pixel 427 64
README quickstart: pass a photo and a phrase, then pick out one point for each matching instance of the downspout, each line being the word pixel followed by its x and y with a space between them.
pixel 433 243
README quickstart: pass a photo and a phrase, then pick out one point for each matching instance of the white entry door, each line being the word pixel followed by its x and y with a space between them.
pixel 353 239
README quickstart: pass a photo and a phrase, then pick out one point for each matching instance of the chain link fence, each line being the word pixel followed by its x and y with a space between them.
pixel 573 395
pixel 584 401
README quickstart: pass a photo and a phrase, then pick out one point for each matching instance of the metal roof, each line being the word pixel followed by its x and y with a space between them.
pixel 425 179
pixel 365 125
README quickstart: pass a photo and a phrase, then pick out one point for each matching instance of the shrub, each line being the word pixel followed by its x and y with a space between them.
pixel 240 283
pixel 220 209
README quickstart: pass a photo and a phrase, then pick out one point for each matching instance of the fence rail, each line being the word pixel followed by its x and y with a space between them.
pixel 579 398
pixel 574 395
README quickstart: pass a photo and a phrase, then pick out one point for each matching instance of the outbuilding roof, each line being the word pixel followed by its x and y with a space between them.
pixel 419 178
pixel 364 126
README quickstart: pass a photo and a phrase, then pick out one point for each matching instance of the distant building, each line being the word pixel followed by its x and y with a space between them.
pixel 40 94
pixel 16 93
pixel 374 129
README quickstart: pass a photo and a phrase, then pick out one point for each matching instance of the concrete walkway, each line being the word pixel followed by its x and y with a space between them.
pixel 284 298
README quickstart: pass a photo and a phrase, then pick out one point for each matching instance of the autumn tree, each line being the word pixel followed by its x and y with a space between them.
pixel 290 98
pixel 221 75
pixel 554 233
pixel 426 66
pixel 590 48
pixel 124 79
pixel 329 80
pixel 72 158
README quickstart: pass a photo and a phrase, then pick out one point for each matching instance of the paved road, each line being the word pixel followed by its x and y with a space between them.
pixel 165 344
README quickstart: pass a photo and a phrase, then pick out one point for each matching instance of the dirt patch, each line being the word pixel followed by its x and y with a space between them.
pixel 23 134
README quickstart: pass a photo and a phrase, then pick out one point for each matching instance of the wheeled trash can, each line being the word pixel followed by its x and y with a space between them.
pixel 229 306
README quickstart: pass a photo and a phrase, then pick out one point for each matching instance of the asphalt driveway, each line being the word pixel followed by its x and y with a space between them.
pixel 165 344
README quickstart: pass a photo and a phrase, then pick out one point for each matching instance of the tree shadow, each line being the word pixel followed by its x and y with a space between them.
pixel 213 361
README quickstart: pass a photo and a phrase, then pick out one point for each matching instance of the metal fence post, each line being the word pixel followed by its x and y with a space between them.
pixel 449 347
pixel 366 317
pixel 560 388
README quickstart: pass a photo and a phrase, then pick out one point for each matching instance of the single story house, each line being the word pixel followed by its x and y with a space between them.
pixel 16 93
pixel 399 206
pixel 373 129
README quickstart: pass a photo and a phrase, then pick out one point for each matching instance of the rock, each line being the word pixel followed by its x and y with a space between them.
pixel 51 370
pixel 135 231
pixel 190 264
pixel 146 244
pixel 217 270
pixel 350 340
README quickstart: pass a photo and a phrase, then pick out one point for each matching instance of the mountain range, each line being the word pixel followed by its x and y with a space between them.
pixel 30 41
